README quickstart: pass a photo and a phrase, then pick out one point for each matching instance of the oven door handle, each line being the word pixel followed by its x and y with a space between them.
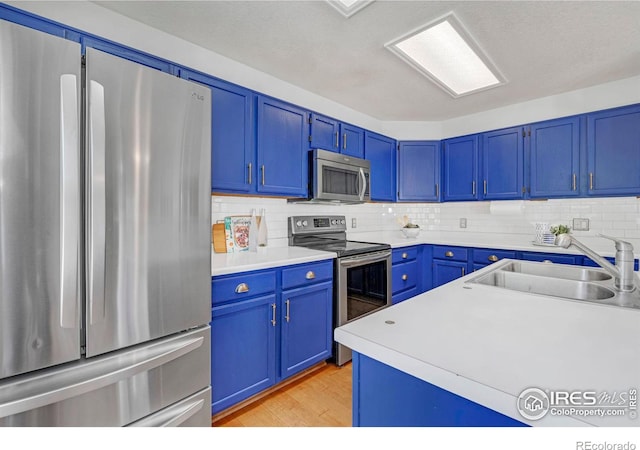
pixel 369 258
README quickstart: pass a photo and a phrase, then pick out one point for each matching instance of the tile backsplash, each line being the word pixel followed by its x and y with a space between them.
pixel 616 216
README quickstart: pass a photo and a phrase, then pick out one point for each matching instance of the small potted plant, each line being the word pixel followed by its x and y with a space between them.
pixel 409 229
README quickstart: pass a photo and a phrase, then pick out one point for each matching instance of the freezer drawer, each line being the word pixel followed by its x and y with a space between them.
pixel 111 390
pixel 190 412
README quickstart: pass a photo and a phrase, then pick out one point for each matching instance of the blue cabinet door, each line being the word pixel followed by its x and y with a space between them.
pixel 419 171
pixel 613 152
pixel 503 164
pixel 446 271
pixel 460 168
pixel 243 360
pixel 306 324
pixel 325 133
pixel 232 150
pixel 381 152
pixel 555 158
pixel 352 142
pixel 282 148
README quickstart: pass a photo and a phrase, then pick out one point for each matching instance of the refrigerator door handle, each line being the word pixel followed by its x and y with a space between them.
pixel 97 203
pixel 70 199
pixel 29 395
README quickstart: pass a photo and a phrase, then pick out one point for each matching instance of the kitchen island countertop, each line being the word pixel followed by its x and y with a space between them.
pixel 488 345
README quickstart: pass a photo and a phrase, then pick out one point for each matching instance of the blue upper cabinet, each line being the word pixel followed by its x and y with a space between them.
pixel 555 158
pixel 460 171
pixel 419 171
pixel 330 134
pixel 352 140
pixel 381 152
pixel 232 149
pixel 613 151
pixel 503 164
pixel 281 148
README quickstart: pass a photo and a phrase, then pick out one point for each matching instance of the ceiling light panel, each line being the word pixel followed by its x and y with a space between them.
pixel 349 7
pixel 446 53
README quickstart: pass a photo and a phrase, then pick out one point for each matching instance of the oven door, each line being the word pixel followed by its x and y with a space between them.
pixel 363 287
pixel 336 181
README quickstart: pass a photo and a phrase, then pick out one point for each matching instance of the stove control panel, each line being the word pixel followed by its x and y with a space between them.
pixel 316 224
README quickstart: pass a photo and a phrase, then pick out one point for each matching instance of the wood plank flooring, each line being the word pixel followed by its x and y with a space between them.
pixel 320 399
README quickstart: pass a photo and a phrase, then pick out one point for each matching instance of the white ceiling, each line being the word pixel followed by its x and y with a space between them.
pixel 542 48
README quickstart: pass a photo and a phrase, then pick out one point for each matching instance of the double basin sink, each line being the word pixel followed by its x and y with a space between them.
pixel 558 280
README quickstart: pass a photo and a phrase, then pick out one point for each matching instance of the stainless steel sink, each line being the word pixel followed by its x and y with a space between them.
pixel 558 271
pixel 556 287
pixel 557 280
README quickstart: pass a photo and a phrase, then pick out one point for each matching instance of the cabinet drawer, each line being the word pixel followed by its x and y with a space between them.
pixel 552 257
pixel 305 274
pixel 239 287
pixel 484 256
pixel 404 254
pixel 452 253
pixel 404 277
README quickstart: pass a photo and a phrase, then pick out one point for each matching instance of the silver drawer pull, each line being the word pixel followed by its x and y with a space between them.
pixel 405 277
pixel 492 258
pixel 310 275
pixel 405 256
pixel 242 288
pixel 449 254
pixel 287 316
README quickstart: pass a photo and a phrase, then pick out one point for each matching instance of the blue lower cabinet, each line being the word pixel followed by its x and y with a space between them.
pixel 387 397
pixel 306 324
pixel 551 257
pixel 446 271
pixel 243 343
pixel 262 333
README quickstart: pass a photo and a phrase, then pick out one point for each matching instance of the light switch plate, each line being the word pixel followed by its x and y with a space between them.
pixel 353 222
pixel 580 224
pixel 463 222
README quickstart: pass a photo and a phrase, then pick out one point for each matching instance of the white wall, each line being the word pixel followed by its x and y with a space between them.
pixel 614 216
pixel 102 22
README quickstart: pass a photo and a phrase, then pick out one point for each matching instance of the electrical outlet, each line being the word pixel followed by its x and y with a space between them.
pixel 354 223
pixel 580 224
pixel 463 222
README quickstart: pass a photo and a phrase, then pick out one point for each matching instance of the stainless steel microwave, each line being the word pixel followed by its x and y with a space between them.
pixel 337 178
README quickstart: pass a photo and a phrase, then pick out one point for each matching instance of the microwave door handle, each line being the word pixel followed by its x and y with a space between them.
pixel 363 178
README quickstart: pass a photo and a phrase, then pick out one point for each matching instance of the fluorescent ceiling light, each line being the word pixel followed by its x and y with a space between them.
pixel 349 7
pixel 445 53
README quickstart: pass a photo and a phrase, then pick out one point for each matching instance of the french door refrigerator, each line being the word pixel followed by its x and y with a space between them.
pixel 104 239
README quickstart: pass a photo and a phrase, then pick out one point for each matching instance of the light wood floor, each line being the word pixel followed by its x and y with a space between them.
pixel 320 399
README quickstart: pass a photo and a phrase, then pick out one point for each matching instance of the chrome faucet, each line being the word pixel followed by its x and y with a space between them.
pixel 625 278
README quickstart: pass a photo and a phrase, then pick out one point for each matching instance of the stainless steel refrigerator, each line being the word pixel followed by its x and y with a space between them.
pixel 104 239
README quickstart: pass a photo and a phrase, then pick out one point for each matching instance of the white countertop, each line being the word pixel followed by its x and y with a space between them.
pixel 489 344
pixel 520 242
pixel 265 258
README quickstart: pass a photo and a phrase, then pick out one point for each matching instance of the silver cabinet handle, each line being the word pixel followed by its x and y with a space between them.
pixel 449 254
pixel 337 138
pixel 591 180
pixel 250 166
pixel 310 275
pixel 97 202
pixel 405 277
pixel 70 196
pixel 262 169
pixel 574 182
pixel 473 187
pixel 492 258
pixel 405 256
pixel 344 141
pixel 463 271
pixel 485 187
pixel 273 314
pixel 242 288
pixel 286 315
pixel 437 189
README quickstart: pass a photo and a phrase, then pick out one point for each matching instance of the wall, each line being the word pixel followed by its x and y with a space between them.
pixel 618 217
pixel 102 22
